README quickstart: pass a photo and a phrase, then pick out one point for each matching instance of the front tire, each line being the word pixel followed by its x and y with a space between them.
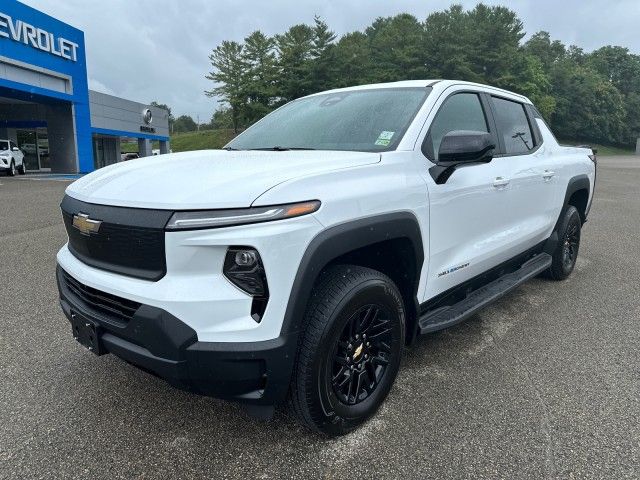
pixel 12 169
pixel 566 252
pixel 349 350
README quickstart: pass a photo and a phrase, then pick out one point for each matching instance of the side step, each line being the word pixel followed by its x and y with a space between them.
pixel 450 315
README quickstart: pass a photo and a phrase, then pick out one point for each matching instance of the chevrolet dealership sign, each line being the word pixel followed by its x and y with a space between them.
pixel 22 32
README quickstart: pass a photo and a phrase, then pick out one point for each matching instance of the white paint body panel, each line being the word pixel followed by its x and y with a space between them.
pixel 465 220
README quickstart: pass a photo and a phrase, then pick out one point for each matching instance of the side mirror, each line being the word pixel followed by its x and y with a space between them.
pixel 15 149
pixel 461 147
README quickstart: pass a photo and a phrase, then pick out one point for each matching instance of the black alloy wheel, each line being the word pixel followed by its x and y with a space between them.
pixel 349 349
pixel 361 354
pixel 565 254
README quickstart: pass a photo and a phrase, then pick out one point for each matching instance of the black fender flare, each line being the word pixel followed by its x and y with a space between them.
pixel 342 239
pixel 579 182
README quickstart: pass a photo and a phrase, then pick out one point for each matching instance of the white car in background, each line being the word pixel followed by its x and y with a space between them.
pixel 11 158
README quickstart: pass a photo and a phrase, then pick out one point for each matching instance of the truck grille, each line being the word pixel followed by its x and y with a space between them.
pixel 103 303
pixel 128 241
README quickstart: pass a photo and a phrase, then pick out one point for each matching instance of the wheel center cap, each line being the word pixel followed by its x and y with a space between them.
pixel 358 351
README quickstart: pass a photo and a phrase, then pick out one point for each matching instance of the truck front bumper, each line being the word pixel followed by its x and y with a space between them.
pixel 256 373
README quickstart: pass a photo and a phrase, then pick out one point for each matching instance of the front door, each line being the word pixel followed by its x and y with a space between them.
pixel 472 214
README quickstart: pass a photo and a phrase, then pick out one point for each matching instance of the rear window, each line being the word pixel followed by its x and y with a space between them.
pixel 513 126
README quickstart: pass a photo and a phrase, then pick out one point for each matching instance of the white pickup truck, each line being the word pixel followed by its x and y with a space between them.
pixel 294 266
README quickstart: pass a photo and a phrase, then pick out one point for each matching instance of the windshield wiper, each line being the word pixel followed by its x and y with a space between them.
pixel 278 148
pixel 229 149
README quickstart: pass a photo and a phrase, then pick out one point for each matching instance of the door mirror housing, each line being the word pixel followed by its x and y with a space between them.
pixel 15 149
pixel 461 147
pixel 465 146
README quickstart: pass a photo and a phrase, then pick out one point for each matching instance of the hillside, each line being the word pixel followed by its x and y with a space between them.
pixel 202 140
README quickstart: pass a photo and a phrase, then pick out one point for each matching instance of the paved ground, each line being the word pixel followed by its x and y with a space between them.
pixel 545 384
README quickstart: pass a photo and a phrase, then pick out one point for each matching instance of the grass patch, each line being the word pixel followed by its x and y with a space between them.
pixel 202 140
pixel 186 142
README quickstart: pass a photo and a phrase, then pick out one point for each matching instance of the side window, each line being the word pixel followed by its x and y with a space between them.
pixel 462 111
pixel 513 126
pixel 13 145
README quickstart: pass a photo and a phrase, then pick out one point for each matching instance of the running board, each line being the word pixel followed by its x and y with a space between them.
pixel 448 316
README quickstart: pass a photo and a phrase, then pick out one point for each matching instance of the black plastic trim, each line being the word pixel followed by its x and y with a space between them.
pixel 458 292
pixel 140 229
pixel 255 373
pixel 340 240
pixel 448 316
pixel 579 182
pixel 124 216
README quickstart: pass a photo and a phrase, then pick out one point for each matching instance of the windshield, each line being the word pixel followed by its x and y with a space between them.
pixel 361 120
pixel 4 146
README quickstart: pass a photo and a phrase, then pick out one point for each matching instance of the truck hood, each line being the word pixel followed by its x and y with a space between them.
pixel 206 179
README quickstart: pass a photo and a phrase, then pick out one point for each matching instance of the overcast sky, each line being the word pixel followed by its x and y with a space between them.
pixel 148 50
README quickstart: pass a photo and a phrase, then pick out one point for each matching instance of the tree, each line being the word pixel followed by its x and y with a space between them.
pixel 353 60
pixel 589 108
pixel 184 123
pixel 229 75
pixel 221 119
pixel 586 96
pixel 294 51
pixel 395 44
pixel 323 57
pixel 260 75
pixel 622 69
pixel 547 51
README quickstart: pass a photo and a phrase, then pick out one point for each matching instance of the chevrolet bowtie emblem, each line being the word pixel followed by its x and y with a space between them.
pixel 86 226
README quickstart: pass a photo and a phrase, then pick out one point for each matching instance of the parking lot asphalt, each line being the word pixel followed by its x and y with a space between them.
pixel 543 384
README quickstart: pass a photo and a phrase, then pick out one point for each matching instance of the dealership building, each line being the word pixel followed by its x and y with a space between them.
pixel 46 106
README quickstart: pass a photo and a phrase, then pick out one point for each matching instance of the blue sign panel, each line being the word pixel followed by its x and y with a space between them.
pixel 31 38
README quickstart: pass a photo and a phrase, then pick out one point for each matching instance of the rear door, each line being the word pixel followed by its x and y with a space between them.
pixel 529 171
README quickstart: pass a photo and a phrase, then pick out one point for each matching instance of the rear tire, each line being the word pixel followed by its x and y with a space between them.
pixel 22 169
pixel 349 349
pixel 566 252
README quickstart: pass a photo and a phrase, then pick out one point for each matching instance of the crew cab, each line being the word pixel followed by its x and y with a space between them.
pixel 11 158
pixel 293 266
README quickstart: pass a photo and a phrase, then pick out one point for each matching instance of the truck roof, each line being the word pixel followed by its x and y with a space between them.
pixel 441 83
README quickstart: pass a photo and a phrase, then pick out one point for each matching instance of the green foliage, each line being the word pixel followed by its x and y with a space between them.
pixel 202 140
pixel 184 123
pixel 230 77
pixel 585 96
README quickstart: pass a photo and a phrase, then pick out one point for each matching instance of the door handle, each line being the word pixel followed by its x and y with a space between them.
pixel 500 182
pixel 548 175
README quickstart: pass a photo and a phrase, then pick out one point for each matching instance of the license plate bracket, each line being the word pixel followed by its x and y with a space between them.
pixel 86 333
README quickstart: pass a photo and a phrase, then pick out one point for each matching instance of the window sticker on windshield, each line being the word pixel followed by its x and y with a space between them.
pixel 384 138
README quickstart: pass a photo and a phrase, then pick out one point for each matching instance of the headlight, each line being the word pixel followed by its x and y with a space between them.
pixel 243 267
pixel 239 216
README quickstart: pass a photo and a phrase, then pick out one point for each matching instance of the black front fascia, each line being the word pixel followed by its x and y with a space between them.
pixel 254 373
pixel 130 241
